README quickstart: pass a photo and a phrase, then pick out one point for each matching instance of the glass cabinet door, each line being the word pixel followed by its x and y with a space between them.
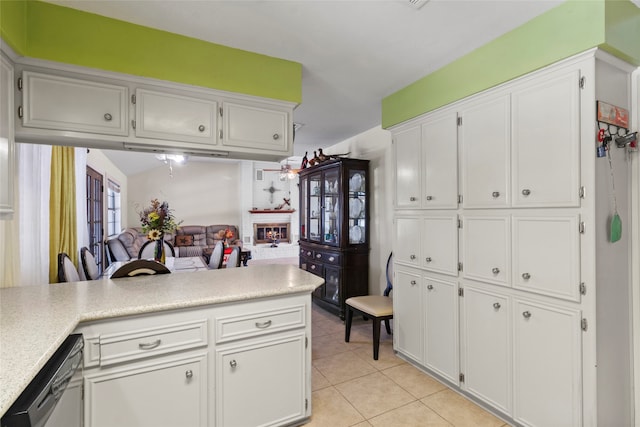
pixel 357 209
pixel 304 208
pixel 331 208
pixel 315 207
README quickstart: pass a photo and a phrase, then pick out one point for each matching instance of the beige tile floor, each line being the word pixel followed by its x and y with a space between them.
pixel 351 389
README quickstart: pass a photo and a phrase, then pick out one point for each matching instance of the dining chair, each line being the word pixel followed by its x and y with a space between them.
pixel 234 257
pixel 89 265
pixel 147 250
pixel 67 272
pixel 140 267
pixel 215 261
pixel 117 251
pixel 375 307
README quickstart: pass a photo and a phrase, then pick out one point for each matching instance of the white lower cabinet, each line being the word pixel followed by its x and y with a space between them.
pixel 547 365
pixel 441 327
pixel 407 313
pixel 167 392
pixel 486 361
pixel 261 382
pixel 407 245
pixel 439 244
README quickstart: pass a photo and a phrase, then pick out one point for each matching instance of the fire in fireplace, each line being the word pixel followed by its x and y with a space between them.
pixel 265 233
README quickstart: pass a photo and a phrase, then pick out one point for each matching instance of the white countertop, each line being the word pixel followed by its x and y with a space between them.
pixel 35 320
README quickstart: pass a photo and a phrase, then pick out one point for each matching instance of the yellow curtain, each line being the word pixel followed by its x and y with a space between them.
pixel 62 206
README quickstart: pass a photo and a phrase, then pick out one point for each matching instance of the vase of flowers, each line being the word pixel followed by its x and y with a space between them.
pixel 157 220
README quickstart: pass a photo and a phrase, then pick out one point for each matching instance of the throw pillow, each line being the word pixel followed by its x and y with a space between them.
pixel 184 240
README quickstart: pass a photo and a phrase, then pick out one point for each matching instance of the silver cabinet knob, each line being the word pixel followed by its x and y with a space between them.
pixel 430 287
pixel 413 283
pixel 526 314
pixel 189 374
pixel 332 259
pixel 428 259
pixel 308 253
pixel 429 197
pixel 276 136
pixel 495 270
pixel 412 257
pixel 412 199
pixel 313 267
pixel 526 192
pixel 201 128
pixel 495 194
pixel 233 363
pixel 318 256
pixel 526 276
pixel 496 305
pixel 108 117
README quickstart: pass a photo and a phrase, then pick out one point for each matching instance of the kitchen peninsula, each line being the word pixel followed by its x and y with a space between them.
pixel 226 326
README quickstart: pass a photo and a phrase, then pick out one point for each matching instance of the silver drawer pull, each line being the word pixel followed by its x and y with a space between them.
pixel 201 128
pixel 526 276
pixel 496 305
pixel 412 199
pixel 189 374
pixel 233 363
pixel 430 287
pixel 428 259
pixel 429 197
pixel 526 314
pixel 495 194
pixel 313 267
pixel 413 283
pixel 318 256
pixel 526 192
pixel 332 259
pixel 149 345
pixel 495 270
pixel 108 117
pixel 263 325
pixel 412 257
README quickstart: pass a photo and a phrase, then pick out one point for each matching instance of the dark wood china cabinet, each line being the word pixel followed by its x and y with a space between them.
pixel 334 229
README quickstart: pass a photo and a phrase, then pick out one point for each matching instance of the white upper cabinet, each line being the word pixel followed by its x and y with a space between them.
pixel 175 117
pixel 7 145
pixel 440 161
pixel 485 143
pixel 439 248
pixel 546 140
pixel 408 184
pixel 486 249
pixel 407 246
pixel 255 127
pixel 71 104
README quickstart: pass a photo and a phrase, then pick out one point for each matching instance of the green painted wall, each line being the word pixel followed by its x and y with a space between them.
pixel 13 24
pixel 74 37
pixel 568 29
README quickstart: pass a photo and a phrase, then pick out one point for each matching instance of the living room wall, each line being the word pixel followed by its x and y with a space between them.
pixel 199 193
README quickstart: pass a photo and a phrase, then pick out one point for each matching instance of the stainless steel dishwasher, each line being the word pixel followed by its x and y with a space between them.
pixel 38 400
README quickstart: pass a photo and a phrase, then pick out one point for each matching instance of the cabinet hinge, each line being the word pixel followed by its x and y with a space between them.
pixel 133 98
pixel 582 81
pixel 459 223
pixel 459 199
pixel 306 342
pixel 459 121
pixel 582 193
pixel 82 391
pixel 584 325
pixel 133 124
pixel 220 111
pixel 306 404
pixel 460 292
pixel 583 289
pixel 20 111
pixel 581 227
pixel 221 134
pixel 459 266
pixel 19 83
pixel 461 377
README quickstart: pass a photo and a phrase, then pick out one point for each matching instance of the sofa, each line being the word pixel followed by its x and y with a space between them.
pixel 188 240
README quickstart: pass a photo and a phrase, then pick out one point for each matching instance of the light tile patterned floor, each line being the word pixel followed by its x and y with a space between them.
pixel 352 389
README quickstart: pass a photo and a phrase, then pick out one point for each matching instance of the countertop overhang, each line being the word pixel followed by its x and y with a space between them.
pixel 35 320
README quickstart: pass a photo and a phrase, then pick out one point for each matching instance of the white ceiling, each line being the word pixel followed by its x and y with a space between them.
pixel 353 52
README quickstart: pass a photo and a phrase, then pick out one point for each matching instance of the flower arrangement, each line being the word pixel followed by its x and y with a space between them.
pixel 158 219
pixel 225 235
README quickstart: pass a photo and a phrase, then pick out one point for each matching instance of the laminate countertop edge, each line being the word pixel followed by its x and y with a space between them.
pixel 35 320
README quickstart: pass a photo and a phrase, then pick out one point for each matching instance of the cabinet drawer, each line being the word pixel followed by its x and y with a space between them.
pixel 327 257
pixel 306 253
pixel 312 267
pixel 153 341
pixel 258 323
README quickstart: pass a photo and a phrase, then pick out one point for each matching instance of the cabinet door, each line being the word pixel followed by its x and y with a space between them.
pixel 441 330
pixel 485 153
pixel 407 245
pixel 439 247
pixel 547 256
pixel 440 162
pixel 61 103
pixel 546 141
pixel 408 314
pixel 408 158
pixel 170 392
pixel 176 118
pixel 330 208
pixel 7 142
pixel 315 207
pixel 486 253
pixel 261 384
pixel 486 346
pixel 332 284
pixel 255 127
pixel 547 368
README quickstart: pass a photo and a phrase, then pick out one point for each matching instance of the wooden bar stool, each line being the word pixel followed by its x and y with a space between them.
pixel 375 307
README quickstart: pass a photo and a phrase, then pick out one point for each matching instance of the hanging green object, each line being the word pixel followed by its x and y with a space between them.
pixel 615 228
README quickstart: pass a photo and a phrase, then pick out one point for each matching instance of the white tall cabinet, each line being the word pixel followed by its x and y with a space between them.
pixel 506 286
pixel 6 138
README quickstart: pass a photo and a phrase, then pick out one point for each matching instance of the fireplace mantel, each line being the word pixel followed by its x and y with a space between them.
pixel 271 211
